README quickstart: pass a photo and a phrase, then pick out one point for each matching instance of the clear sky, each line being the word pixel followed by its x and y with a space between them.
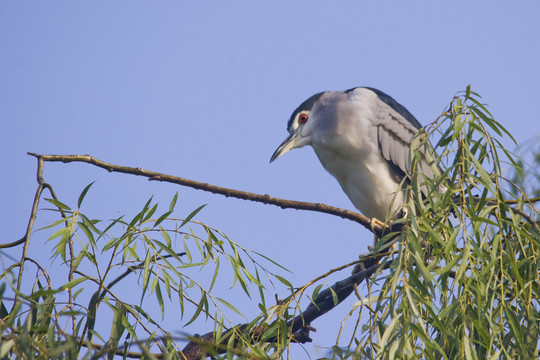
pixel 203 90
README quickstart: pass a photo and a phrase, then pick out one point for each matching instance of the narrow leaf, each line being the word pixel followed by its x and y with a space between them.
pixel 193 213
pixel 83 194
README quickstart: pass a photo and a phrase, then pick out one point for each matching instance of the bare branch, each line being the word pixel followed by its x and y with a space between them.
pixel 376 227
pixel 26 237
pixel 299 325
pixel 14 243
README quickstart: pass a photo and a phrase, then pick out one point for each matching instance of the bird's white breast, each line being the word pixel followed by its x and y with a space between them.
pixel 346 150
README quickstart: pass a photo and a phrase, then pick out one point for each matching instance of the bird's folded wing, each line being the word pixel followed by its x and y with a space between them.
pixel 394 134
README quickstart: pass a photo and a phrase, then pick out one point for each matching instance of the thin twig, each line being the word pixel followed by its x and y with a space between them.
pixel 13 244
pixel 493 202
pixel 31 221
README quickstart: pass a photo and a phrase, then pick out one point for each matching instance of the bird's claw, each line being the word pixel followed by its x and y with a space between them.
pixel 376 224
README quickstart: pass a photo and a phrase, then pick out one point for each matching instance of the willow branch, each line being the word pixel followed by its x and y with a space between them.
pixel 494 202
pixel 26 238
pixel 14 243
pixel 300 325
pixel 374 226
pixel 526 200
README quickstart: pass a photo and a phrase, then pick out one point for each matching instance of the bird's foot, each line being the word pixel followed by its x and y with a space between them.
pixel 377 226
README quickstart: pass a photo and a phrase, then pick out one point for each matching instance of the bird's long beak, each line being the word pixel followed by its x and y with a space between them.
pixel 286 145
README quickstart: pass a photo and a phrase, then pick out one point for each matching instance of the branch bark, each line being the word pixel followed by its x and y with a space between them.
pixel 300 326
pixel 373 225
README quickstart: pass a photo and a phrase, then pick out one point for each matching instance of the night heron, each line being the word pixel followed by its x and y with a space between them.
pixel 362 137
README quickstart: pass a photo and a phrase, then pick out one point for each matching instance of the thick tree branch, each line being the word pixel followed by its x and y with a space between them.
pixel 300 325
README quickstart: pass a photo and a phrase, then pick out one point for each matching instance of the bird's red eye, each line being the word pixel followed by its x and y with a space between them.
pixel 302 118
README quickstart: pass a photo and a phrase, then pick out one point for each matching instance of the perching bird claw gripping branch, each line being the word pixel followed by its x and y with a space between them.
pixel 377 227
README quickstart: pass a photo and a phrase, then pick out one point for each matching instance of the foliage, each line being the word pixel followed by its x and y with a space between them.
pixel 463 278
pixel 97 255
pixel 527 175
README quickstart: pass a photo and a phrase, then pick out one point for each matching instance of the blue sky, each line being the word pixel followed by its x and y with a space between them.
pixel 203 90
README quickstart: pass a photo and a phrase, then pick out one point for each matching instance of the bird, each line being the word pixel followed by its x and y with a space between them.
pixel 362 137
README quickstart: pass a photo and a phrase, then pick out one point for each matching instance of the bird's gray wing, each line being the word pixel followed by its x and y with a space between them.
pixel 394 133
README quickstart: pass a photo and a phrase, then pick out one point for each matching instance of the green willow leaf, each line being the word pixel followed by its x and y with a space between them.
pixel 191 215
pixel 83 194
